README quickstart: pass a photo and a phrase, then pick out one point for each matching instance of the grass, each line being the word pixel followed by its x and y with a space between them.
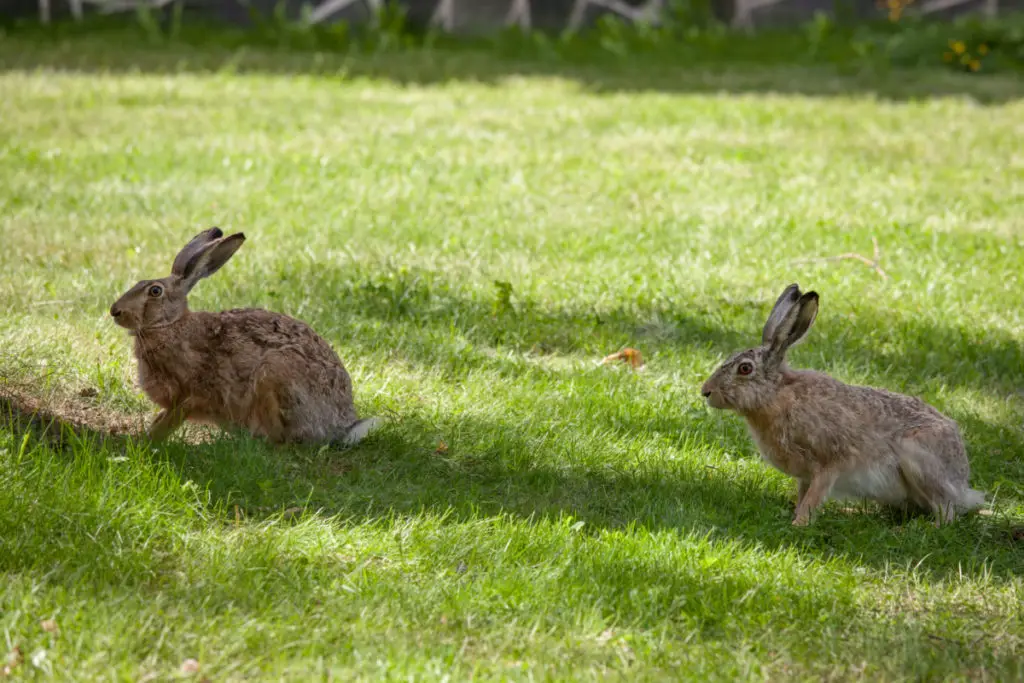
pixel 525 513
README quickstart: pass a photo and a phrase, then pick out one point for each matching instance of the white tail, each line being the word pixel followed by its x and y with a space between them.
pixel 358 431
pixel 972 500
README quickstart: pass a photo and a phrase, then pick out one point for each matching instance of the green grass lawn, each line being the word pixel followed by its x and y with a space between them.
pixel 586 521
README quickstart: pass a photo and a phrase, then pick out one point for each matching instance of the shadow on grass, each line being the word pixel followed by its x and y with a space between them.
pixel 493 468
pixel 124 51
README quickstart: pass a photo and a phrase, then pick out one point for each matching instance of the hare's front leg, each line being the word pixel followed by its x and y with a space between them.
pixel 818 489
pixel 801 490
pixel 167 421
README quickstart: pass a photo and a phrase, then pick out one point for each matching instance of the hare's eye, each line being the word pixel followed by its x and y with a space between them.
pixel 156 290
pixel 745 368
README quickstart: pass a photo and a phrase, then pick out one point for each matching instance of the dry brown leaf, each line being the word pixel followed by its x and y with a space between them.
pixel 339 468
pixel 190 666
pixel 14 660
pixel 49 625
pixel 628 355
pixel 442 447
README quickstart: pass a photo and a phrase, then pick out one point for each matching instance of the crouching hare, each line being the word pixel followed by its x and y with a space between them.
pixel 837 439
pixel 264 372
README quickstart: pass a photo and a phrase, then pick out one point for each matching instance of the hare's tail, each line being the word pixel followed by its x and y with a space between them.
pixel 971 499
pixel 358 430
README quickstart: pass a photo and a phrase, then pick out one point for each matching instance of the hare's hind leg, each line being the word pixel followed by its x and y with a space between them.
pixel 928 481
pixel 266 418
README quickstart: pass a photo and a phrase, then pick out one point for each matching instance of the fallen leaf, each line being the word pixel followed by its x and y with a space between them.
pixel 14 660
pixel 631 356
pixel 442 447
pixel 339 468
pixel 48 625
pixel 190 666
pixel 88 392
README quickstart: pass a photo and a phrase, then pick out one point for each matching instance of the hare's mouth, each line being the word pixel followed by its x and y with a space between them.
pixel 715 399
pixel 125 320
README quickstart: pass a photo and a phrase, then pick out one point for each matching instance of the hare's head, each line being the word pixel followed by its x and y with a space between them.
pixel 750 378
pixel 155 303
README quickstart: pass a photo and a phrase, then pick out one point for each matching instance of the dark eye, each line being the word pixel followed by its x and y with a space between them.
pixel 745 368
pixel 156 290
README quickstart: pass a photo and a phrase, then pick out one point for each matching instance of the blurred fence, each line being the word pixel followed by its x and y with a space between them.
pixel 473 16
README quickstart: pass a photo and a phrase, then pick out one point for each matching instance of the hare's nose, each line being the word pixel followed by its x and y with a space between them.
pixel 115 311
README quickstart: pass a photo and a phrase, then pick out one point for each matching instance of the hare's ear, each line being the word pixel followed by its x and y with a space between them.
pixel 208 258
pixel 794 326
pixel 194 246
pixel 804 319
pixel 786 301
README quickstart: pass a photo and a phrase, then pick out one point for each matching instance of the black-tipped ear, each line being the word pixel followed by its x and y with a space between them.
pixel 210 258
pixel 808 311
pixel 792 328
pixel 194 246
pixel 783 305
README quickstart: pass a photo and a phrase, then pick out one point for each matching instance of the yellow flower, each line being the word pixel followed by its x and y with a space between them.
pixel 983 49
pixel 975 65
pixel 958 46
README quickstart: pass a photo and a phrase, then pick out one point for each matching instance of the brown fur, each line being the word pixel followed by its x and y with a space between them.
pixel 249 368
pixel 836 439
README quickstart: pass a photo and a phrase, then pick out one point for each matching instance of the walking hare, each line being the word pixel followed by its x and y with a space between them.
pixel 837 439
pixel 250 368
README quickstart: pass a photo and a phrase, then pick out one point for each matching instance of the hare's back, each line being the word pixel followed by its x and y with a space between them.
pixel 900 411
pixel 857 405
pixel 261 334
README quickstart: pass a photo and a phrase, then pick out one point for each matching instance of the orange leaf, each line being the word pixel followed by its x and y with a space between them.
pixel 442 447
pixel 627 355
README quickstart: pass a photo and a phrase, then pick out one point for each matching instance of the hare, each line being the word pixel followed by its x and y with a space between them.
pixel 837 439
pixel 264 372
